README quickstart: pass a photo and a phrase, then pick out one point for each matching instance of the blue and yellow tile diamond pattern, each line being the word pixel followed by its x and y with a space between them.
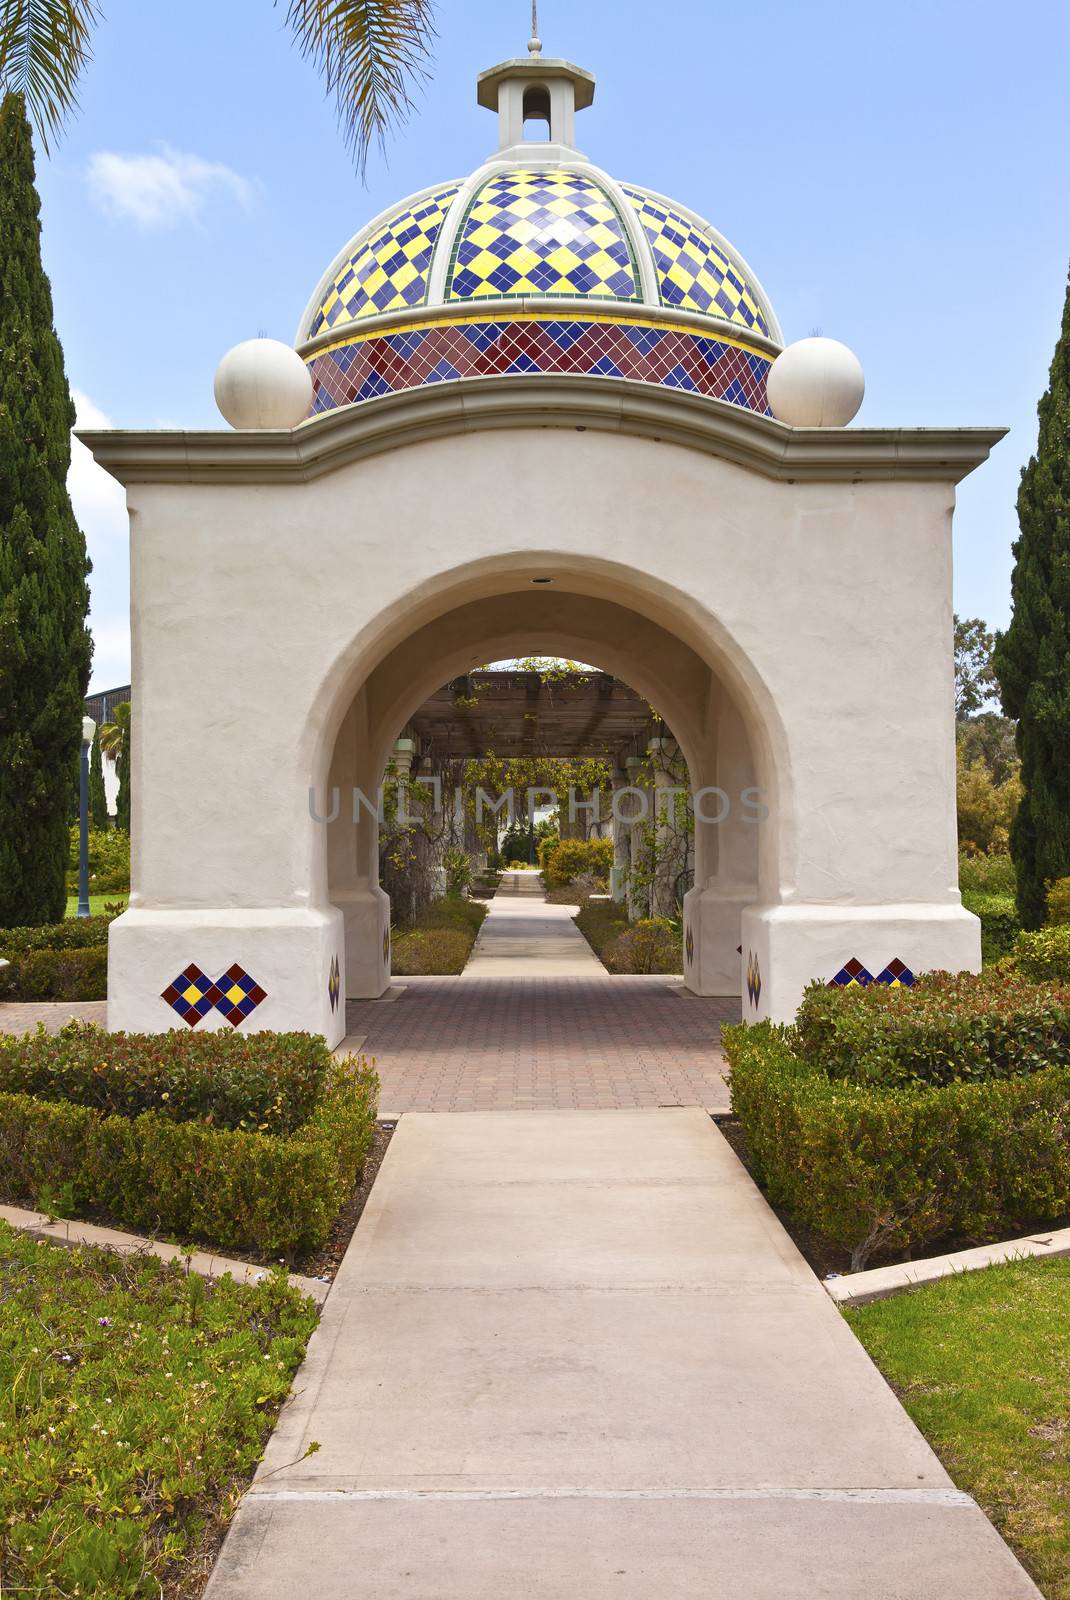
pixel 193 994
pixel 553 232
pixel 389 271
pixel 853 975
pixel 693 274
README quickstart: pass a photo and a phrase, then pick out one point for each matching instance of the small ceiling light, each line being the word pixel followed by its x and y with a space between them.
pixel 542 580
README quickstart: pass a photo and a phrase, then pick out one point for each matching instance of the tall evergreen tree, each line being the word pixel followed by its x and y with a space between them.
pixel 1032 659
pixel 45 647
pixel 98 799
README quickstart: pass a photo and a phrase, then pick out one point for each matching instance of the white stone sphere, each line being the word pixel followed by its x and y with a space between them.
pixel 263 383
pixel 816 383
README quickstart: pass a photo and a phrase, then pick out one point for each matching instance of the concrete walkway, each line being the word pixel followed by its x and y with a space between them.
pixel 574 1356
pixel 523 937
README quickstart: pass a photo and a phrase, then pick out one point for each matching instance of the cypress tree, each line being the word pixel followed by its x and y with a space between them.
pixel 45 647
pixel 98 800
pixel 1032 658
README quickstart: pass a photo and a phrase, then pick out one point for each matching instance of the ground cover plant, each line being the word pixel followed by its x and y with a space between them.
pixel 135 1401
pixel 648 945
pixel 980 1360
pixel 888 1119
pixel 245 1142
pixel 440 941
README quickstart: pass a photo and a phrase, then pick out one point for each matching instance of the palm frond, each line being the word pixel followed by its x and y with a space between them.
pixel 371 54
pixel 44 45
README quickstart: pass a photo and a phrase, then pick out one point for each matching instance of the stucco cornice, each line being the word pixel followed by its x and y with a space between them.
pixel 714 427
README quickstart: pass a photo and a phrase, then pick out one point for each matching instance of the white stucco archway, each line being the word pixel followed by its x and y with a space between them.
pixel 295 593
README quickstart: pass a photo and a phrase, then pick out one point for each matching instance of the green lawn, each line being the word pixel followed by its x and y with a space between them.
pixel 982 1363
pixel 97 903
pixel 134 1400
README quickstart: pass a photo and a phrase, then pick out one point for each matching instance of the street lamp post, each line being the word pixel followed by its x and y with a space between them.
pixel 89 728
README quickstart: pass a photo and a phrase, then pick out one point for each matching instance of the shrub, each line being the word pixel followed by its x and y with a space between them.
pixel 546 847
pixel 76 933
pixel 1059 902
pixel 109 861
pixel 873 1167
pixel 947 1028
pixel 276 1192
pixel 650 945
pixel 1044 957
pixel 571 857
pixel 458 869
pixel 999 922
pixel 69 974
pixel 986 874
pixel 259 1082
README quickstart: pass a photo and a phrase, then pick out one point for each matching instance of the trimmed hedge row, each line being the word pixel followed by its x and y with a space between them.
pixel 256 1083
pixel 70 974
pixel 275 1192
pixel 873 1167
pixel 75 933
pixel 949 1027
pixel 998 913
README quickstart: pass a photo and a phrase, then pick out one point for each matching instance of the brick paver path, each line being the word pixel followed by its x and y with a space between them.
pixel 576 1039
pixel 16 1017
pixel 540 1043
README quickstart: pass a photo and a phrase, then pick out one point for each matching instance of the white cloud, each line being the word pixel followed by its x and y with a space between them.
pixel 100 506
pixel 158 191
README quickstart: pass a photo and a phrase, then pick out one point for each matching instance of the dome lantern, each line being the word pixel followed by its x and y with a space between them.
pixel 535 88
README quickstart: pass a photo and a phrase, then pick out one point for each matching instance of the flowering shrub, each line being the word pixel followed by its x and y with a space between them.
pixel 571 857
pixel 135 1399
pixel 651 944
pixel 1044 957
pixel 947 1028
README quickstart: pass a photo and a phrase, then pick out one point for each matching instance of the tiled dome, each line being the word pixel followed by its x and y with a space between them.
pixel 540 262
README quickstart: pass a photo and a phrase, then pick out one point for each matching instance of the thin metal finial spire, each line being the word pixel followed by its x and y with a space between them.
pixel 535 43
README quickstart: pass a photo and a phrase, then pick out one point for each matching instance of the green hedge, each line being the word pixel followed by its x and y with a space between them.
pixel 56 975
pixel 1044 957
pixel 651 944
pixel 872 1167
pixel 946 1028
pixel 76 933
pixel 574 858
pixel 999 921
pixel 273 1192
pixel 256 1083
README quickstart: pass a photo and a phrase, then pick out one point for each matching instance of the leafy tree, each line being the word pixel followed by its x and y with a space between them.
pixel 115 742
pixel 986 809
pixel 98 801
pixel 1032 659
pixel 371 54
pixel 989 738
pixel 975 681
pixel 45 648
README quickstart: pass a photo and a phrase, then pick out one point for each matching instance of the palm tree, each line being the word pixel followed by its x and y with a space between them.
pixel 114 739
pixel 370 53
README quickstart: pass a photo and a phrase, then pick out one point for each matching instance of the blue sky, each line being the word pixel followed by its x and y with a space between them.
pixel 897 176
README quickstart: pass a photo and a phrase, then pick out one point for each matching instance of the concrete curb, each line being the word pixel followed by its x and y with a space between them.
pixel 72 1234
pixel 859 1288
